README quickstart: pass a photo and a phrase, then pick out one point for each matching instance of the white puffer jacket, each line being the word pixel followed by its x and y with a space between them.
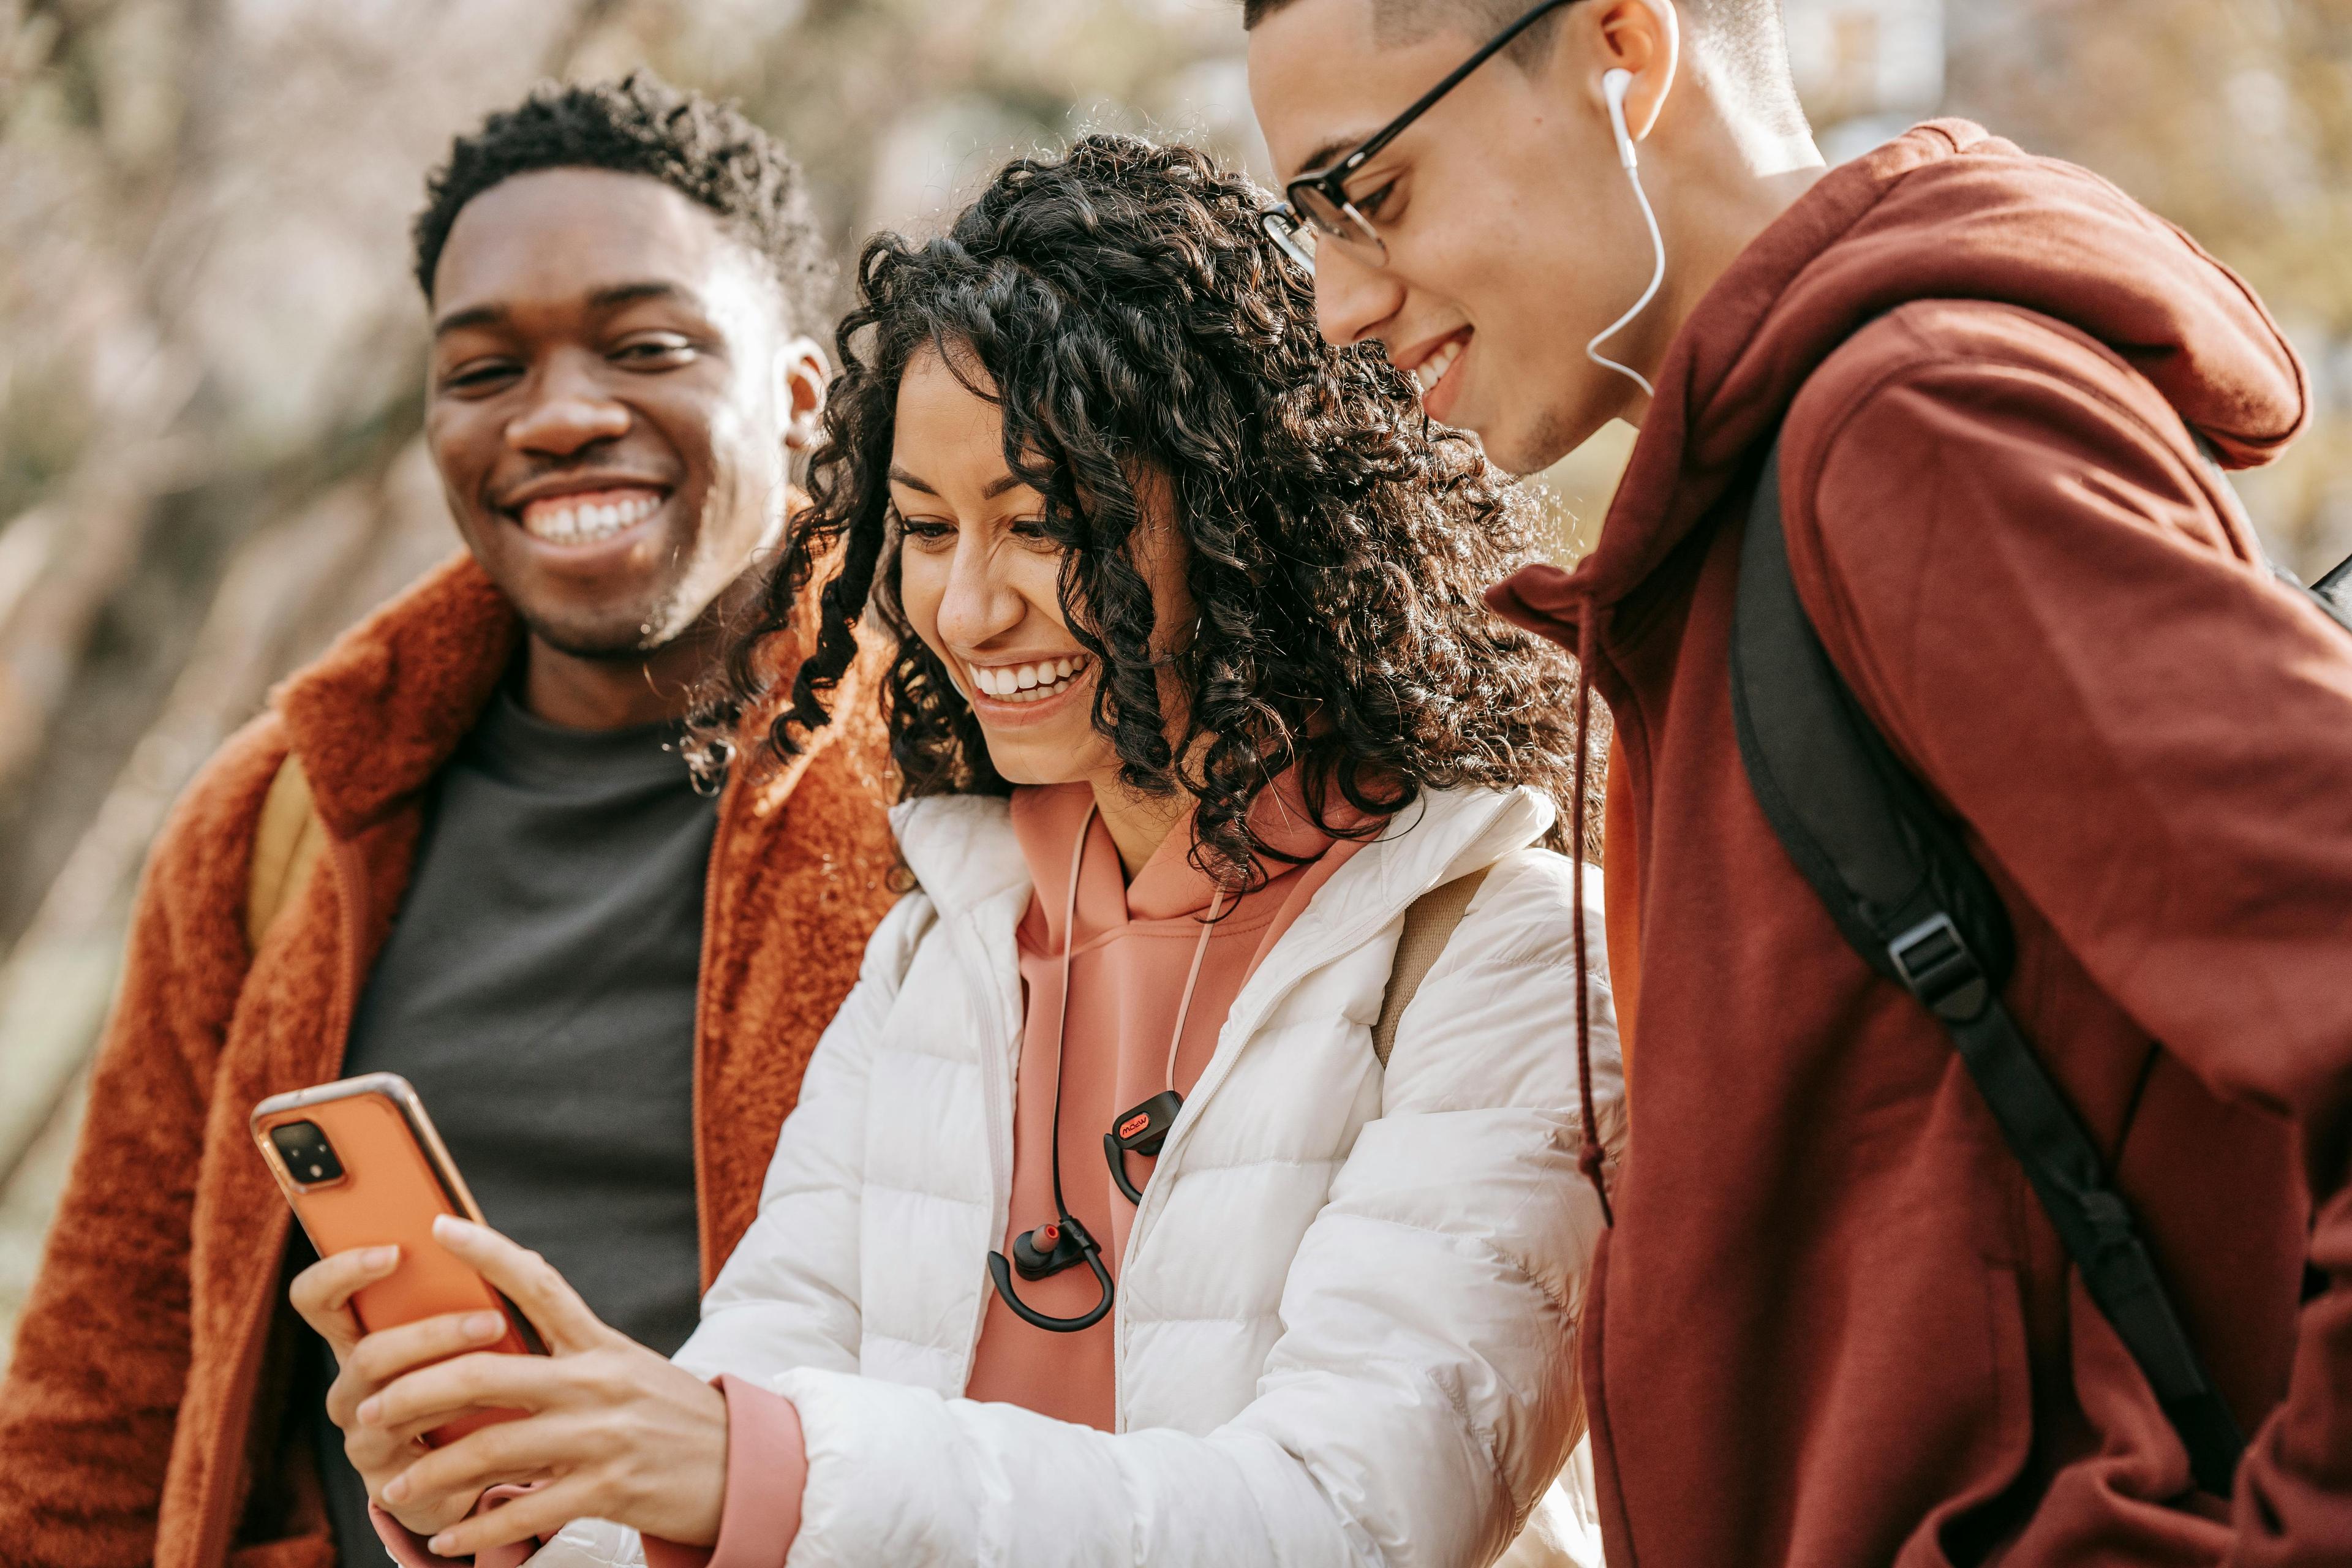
pixel 1346 1309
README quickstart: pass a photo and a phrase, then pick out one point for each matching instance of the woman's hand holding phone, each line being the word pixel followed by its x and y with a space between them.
pixel 323 1295
pixel 613 1429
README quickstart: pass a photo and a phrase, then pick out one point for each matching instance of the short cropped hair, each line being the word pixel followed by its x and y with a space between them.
pixel 1745 36
pixel 706 151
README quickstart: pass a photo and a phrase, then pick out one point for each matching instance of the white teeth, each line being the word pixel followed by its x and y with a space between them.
pixel 561 522
pixel 1431 370
pixel 1024 682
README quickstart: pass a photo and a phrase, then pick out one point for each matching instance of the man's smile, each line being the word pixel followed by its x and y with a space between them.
pixel 1430 362
pixel 584 508
pixel 589 519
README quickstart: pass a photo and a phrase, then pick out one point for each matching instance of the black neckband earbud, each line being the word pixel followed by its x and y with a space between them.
pixel 1043 1253
pixel 1060 1244
pixel 1063 1243
pixel 1140 1131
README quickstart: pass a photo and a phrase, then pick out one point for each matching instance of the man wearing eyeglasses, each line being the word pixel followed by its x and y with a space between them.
pixel 1834 1323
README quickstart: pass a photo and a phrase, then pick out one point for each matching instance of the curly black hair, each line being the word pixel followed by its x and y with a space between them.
pixel 706 151
pixel 1151 351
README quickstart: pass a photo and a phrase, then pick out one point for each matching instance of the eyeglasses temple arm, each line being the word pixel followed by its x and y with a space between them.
pixel 1396 127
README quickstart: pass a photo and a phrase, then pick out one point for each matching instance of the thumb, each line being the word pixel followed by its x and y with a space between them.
pixel 527 1279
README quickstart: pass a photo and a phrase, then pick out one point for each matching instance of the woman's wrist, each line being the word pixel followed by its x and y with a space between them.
pixel 766 1470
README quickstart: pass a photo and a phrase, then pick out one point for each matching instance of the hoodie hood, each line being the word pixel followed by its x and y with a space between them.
pixel 1945 212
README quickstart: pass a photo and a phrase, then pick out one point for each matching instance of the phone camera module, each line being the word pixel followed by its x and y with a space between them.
pixel 309 1157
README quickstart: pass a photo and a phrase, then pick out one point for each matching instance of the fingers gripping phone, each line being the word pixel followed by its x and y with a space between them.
pixel 361 1165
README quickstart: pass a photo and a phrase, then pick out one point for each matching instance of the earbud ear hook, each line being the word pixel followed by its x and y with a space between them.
pixel 1042 1253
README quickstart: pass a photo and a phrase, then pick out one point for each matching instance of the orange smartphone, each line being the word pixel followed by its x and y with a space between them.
pixel 361 1165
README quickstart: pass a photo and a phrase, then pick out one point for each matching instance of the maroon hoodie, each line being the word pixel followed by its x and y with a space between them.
pixel 1832 1326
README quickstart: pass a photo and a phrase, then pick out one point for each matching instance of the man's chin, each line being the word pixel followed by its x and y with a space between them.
pixel 1524 447
pixel 651 616
pixel 616 636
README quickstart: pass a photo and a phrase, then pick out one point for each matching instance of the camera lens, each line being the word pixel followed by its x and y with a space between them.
pixel 308 1155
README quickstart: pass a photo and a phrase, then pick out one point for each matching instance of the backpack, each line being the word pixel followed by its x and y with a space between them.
pixel 1429 922
pixel 2334 590
pixel 1908 895
pixel 286 842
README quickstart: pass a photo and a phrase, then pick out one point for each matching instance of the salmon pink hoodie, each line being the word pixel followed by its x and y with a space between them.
pixel 1832 1326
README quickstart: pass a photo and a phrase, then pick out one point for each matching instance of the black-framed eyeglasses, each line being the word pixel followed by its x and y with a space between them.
pixel 1318 204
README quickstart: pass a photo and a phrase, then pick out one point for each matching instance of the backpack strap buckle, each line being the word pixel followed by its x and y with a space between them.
pixel 1935 962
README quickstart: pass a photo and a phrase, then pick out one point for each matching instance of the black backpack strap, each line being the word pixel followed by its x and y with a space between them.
pixel 2335 592
pixel 2332 592
pixel 1907 893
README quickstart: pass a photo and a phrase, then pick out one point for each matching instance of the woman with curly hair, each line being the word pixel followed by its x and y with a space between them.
pixel 1141 1206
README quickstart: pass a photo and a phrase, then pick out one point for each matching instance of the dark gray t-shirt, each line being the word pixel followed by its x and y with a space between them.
pixel 537 989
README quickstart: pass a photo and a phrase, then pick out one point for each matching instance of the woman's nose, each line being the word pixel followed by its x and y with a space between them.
pixel 980 602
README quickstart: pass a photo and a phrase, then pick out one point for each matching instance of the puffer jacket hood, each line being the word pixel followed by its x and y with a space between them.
pixel 1933 214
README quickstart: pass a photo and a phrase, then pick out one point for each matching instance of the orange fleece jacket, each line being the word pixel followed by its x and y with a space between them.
pixel 141 1418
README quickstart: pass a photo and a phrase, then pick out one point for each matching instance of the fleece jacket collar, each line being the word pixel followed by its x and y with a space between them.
pixel 377 716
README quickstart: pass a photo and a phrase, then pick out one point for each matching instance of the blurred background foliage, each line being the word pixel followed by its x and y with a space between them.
pixel 210 348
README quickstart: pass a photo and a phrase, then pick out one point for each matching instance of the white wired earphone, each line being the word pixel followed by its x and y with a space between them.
pixel 1615 86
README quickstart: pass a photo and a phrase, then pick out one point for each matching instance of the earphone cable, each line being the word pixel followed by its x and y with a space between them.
pixel 1062 1018
pixel 1184 1006
pixel 1615 86
pixel 1657 280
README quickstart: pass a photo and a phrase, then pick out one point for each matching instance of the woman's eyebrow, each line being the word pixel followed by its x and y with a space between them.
pixel 995 487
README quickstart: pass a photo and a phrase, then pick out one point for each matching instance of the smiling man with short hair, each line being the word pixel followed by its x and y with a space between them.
pixel 603 975
pixel 1857 1306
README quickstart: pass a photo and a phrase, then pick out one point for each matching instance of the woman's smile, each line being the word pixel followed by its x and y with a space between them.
pixel 1025 681
pixel 1014 693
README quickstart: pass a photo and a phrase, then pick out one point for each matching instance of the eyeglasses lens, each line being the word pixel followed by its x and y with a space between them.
pixel 1296 238
pixel 1340 223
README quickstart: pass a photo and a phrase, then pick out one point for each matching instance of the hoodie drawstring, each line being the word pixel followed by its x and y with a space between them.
pixel 1590 1156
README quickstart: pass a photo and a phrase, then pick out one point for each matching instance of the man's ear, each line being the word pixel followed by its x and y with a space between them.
pixel 802 374
pixel 1645 38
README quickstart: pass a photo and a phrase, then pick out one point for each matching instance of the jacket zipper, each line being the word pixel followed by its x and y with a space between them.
pixel 996 1092
pixel 214 1522
pixel 720 834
